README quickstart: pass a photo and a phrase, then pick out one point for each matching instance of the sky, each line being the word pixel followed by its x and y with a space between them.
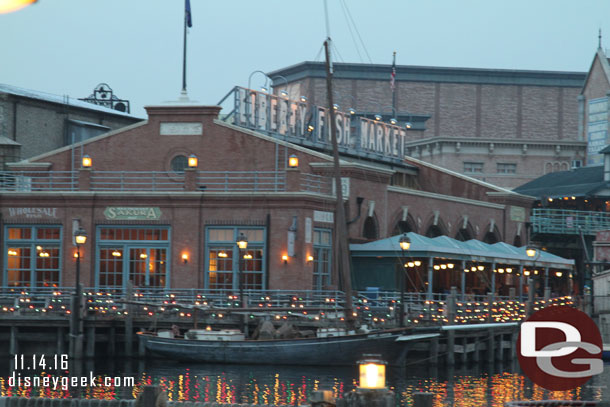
pixel 67 47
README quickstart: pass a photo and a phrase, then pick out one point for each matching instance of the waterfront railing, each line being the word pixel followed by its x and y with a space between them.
pixel 160 181
pixel 382 307
pixel 566 221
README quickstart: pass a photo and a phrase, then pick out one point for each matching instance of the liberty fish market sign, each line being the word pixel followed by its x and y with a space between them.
pixel 132 213
pixel 309 125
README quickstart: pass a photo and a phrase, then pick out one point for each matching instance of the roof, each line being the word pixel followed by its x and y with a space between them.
pixel 582 182
pixel 434 74
pixel 62 100
pixel 5 141
pixel 446 247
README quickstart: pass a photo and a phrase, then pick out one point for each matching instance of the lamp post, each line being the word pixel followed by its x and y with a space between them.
pixel 80 238
pixel 242 244
pixel 405 244
pixel 533 253
pixel 248 98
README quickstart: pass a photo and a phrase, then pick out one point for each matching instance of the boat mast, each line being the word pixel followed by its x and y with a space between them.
pixel 340 224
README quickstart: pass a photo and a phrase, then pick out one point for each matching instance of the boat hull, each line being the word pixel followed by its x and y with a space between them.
pixel 343 350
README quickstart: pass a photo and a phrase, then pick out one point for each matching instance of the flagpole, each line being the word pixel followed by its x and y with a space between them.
pixel 184 51
pixel 394 85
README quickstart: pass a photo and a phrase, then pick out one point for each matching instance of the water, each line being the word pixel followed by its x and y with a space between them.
pixel 489 385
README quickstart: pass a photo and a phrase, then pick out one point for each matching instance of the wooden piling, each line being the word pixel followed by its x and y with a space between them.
pixel 60 340
pixel 491 346
pixel 90 348
pixel 451 347
pixel 513 345
pixel 112 341
pixel 476 356
pixel 500 347
pixel 434 351
pixel 464 357
pixel 13 344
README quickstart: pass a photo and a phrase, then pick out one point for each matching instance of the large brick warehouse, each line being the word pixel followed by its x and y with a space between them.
pixel 152 219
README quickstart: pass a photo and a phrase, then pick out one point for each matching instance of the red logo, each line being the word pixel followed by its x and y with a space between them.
pixel 560 348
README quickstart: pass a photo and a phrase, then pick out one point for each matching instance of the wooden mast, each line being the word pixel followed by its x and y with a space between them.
pixel 340 222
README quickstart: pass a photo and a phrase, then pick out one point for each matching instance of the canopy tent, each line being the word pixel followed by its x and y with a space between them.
pixel 446 247
pixel 375 264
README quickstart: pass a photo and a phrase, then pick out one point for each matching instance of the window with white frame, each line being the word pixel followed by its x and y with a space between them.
pixel 224 260
pixel 473 167
pixel 139 254
pixel 507 168
pixel 33 256
pixel 322 248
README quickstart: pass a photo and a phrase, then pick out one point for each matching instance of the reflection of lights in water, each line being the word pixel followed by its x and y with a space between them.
pixel 287 388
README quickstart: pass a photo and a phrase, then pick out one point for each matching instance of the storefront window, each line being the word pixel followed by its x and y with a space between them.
pixel 139 254
pixel 322 245
pixel 223 262
pixel 33 256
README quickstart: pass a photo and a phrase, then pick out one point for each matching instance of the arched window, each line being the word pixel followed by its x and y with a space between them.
pixel 370 228
pixel 517 241
pixel 401 227
pixel 490 238
pixel 434 231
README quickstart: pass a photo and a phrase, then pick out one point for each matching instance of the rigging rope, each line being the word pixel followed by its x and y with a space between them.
pixel 357 32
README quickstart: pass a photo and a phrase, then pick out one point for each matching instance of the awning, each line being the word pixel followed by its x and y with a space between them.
pixel 448 248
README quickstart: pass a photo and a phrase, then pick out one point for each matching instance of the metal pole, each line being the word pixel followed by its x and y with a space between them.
pixel 463 280
pixel 430 278
pixel 241 284
pixel 400 310
pixel 521 283
pixel 184 51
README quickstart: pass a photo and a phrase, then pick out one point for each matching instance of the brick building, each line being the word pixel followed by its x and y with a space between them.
pixel 505 127
pixel 572 206
pixel 152 219
pixel 33 122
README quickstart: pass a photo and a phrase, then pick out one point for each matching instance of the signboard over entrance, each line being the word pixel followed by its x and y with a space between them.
pixel 309 125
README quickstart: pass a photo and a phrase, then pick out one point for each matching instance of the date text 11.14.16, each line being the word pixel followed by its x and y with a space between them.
pixel 41 362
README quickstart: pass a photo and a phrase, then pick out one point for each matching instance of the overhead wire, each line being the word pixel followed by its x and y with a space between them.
pixel 357 32
pixel 349 27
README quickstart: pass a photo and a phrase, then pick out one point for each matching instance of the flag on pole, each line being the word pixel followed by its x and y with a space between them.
pixel 393 72
pixel 187 12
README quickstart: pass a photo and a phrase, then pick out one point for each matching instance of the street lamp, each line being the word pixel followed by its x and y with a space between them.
pixel 283 92
pixel 80 238
pixel 248 96
pixel 242 244
pixel 405 244
pixel 533 252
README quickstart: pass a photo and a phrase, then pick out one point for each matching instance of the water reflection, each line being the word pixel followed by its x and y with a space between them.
pixel 489 385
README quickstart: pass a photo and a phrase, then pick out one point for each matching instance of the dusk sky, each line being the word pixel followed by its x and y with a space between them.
pixel 67 47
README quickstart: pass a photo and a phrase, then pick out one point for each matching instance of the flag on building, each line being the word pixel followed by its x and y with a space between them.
pixel 393 78
pixel 187 11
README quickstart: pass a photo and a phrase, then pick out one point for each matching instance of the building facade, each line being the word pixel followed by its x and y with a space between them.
pixel 32 122
pixel 505 127
pixel 152 219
